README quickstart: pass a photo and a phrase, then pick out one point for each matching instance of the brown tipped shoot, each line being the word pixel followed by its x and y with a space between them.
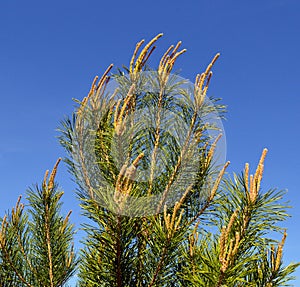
pixel 255 180
pixel 53 174
pixel 137 62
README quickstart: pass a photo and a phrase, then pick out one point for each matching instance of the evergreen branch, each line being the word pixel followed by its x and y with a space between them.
pixel 160 263
pixel 3 238
pixel 119 252
pixel 47 193
pixel 31 268
pixel 47 227
pixel 151 251
pixel 7 257
pixel 212 194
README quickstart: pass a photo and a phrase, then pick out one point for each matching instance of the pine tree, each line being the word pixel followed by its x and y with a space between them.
pixel 160 210
pixel 211 232
pixel 36 247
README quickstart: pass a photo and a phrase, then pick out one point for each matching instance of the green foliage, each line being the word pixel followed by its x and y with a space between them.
pixel 256 261
pixel 211 232
pixel 36 243
pixel 212 235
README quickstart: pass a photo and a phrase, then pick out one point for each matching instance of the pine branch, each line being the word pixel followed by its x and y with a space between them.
pixel 165 249
pixel 37 248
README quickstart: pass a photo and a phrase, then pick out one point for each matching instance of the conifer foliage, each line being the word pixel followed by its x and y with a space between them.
pixel 215 234
pixel 36 242
pixel 213 231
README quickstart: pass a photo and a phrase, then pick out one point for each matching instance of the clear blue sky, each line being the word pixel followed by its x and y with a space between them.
pixel 51 50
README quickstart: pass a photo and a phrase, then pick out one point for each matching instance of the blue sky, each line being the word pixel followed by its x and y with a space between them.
pixel 51 50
